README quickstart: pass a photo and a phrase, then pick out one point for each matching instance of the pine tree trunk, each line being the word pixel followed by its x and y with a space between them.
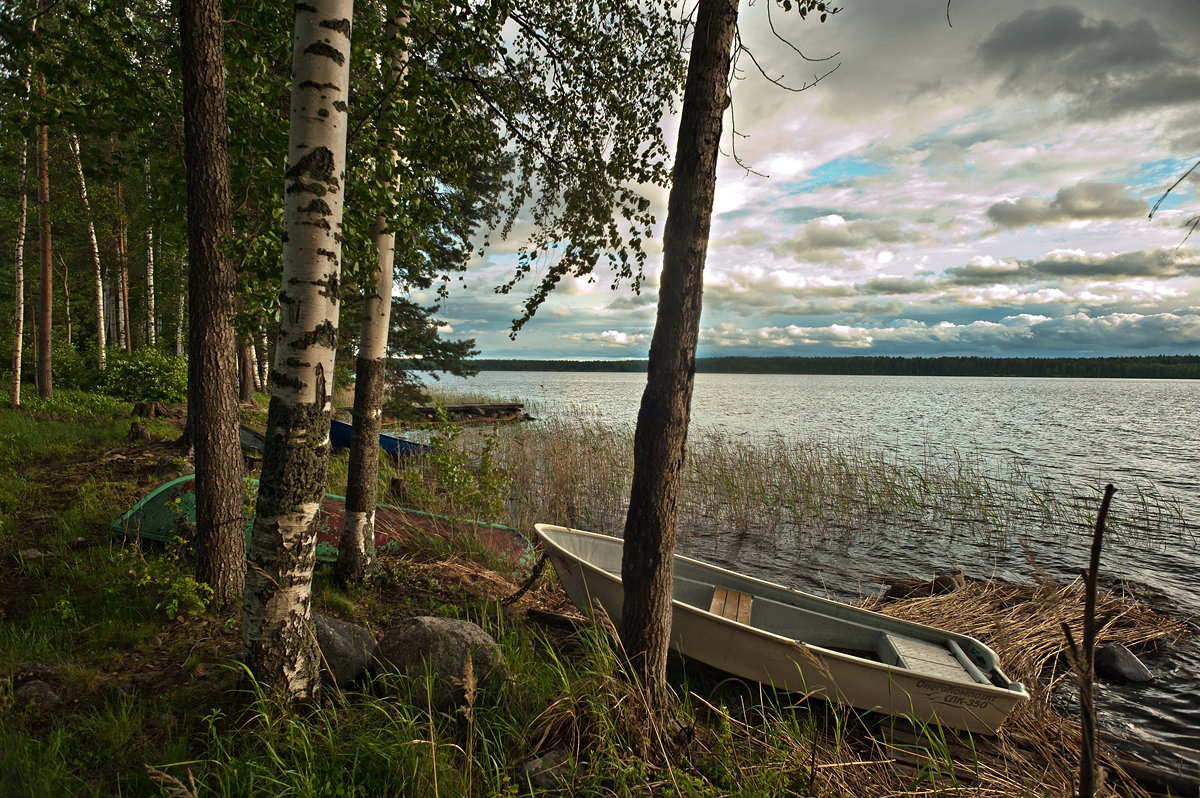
pixel 87 212
pixel 660 440
pixel 356 550
pixel 45 322
pixel 150 319
pixel 279 642
pixel 19 276
pixel 212 285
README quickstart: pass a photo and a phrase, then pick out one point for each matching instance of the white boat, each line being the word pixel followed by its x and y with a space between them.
pixel 800 642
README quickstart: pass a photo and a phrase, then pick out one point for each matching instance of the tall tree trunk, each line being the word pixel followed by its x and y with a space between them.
pixel 356 550
pixel 19 276
pixel 212 285
pixel 181 309
pixel 124 318
pixel 660 441
pixel 45 322
pixel 245 371
pixel 87 212
pixel 66 296
pixel 279 642
pixel 264 354
pixel 150 319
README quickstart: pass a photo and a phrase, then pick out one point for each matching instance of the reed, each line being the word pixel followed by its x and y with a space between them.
pixel 577 472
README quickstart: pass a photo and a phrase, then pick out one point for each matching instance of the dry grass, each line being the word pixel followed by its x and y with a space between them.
pixel 1037 749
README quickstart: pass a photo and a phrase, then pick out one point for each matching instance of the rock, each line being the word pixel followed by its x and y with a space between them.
pixel 1116 663
pixel 441 645
pixel 900 590
pixel 346 649
pixel 948 581
pixel 548 772
pixel 31 555
pixel 35 692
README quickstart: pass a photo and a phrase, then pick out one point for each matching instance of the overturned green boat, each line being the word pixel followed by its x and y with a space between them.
pixel 169 512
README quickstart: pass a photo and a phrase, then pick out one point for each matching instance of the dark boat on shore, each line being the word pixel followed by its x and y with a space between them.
pixel 340 433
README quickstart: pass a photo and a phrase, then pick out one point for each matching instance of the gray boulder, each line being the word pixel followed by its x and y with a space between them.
pixel 440 647
pixel 346 649
pixel 549 771
pixel 35 692
pixel 1116 663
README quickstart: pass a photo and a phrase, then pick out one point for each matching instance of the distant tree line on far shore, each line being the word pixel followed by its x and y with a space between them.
pixel 1180 367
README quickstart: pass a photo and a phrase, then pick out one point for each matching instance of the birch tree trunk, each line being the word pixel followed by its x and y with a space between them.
pixel 647 565
pixel 150 331
pixel 280 644
pixel 46 317
pixel 212 426
pixel 181 309
pixel 19 276
pixel 87 212
pixel 356 550
pixel 66 284
pixel 123 318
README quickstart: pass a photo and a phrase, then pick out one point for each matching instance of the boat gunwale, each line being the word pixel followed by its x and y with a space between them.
pixel 1015 690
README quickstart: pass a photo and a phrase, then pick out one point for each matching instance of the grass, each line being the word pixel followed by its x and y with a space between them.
pixel 155 702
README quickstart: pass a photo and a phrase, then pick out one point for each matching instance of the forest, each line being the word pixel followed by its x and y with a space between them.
pixel 1176 367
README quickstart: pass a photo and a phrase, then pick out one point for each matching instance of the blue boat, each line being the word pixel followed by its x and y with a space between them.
pixel 393 444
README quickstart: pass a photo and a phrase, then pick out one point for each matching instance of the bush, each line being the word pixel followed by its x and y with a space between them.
pixel 146 375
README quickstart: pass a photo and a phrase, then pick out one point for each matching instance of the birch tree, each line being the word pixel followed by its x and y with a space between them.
pixel 19 275
pixel 356 549
pixel 150 319
pixel 45 383
pixel 279 641
pixel 95 248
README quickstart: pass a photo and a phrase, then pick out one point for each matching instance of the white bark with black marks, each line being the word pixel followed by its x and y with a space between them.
pixel 280 644
pixel 87 211
pixel 356 549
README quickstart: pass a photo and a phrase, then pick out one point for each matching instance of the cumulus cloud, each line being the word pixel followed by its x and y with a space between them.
pixel 1078 333
pixel 1101 66
pixel 1160 263
pixel 1087 200
pixel 611 339
pixel 827 239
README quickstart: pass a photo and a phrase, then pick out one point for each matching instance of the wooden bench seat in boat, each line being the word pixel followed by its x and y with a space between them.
pixel 924 657
pixel 731 604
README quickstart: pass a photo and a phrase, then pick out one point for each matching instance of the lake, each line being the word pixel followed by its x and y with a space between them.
pixel 1079 434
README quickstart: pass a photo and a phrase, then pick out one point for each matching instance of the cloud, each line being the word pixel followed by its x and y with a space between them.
pixel 1079 333
pixel 1160 263
pixel 610 339
pixel 826 239
pixel 1101 67
pixel 1087 200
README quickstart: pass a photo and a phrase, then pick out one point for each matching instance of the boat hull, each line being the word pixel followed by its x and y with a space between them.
pixel 168 510
pixel 941 690
pixel 340 434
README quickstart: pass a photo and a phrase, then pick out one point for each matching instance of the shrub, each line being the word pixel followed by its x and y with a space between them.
pixel 146 375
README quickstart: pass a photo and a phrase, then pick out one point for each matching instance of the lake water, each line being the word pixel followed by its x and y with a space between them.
pixel 1141 435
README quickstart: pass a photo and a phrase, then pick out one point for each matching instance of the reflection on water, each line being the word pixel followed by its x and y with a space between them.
pixel 1065 436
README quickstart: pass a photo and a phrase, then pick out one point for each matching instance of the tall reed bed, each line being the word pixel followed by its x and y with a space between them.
pixel 578 472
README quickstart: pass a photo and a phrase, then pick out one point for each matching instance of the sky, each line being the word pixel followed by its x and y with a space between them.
pixel 971 186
